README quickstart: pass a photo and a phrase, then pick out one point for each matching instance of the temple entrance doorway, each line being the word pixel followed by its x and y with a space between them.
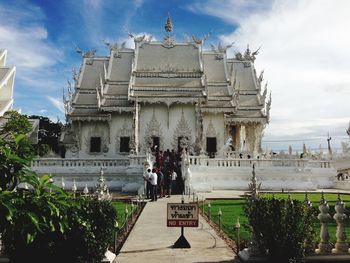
pixel 211 146
pixel 155 141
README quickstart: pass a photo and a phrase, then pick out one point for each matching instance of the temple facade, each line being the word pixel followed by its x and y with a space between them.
pixel 7 78
pixel 165 94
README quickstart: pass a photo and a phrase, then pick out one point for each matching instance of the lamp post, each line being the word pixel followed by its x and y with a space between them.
pixel 116 225
pixel 237 227
pixel 126 218
pixel 132 210
pixel 209 211
pixel 220 214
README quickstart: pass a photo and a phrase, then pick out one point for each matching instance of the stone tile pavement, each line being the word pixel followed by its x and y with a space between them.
pixel 151 240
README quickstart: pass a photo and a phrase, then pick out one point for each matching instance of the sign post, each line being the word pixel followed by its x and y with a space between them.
pixel 182 215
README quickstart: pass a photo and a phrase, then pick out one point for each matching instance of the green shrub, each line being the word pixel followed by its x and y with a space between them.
pixel 281 227
pixel 91 230
pixel 41 224
pixel 46 223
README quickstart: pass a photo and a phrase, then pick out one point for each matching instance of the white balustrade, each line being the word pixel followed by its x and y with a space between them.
pixel 77 162
pixel 238 162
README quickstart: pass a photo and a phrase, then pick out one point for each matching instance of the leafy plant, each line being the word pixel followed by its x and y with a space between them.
pixel 16 154
pixel 281 227
pixel 44 221
pixel 47 222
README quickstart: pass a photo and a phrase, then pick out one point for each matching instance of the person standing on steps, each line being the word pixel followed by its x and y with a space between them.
pixel 153 180
pixel 172 184
pixel 146 178
pixel 160 183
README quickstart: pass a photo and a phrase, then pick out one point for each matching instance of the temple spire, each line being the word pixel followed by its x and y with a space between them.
pixel 168 24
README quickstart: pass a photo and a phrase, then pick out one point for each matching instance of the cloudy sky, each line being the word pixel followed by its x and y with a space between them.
pixel 305 52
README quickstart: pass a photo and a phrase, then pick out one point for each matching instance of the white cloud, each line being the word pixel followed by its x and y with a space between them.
pixel 232 11
pixel 305 54
pixel 56 103
pixel 25 38
pixel 23 34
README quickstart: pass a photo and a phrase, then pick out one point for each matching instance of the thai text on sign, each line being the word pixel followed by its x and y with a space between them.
pixel 185 215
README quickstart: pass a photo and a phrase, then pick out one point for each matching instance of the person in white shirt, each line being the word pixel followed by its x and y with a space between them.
pixel 153 181
pixel 146 178
pixel 172 183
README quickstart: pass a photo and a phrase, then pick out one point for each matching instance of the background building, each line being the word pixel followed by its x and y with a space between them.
pixel 7 78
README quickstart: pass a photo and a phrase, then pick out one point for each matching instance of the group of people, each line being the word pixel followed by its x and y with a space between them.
pixel 160 181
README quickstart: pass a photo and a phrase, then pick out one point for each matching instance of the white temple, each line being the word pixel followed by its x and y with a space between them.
pixel 7 78
pixel 174 95
pixel 166 93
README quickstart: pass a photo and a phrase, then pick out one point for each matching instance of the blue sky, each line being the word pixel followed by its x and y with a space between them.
pixel 305 51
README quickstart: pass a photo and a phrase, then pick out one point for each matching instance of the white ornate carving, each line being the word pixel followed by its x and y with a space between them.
pixel 211 132
pixel 168 42
pixel 153 129
pixel 168 101
pixel 183 130
pixel 220 50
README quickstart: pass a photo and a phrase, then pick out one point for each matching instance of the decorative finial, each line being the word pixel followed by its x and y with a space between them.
pixel 323 200
pixel 168 25
pixel 307 200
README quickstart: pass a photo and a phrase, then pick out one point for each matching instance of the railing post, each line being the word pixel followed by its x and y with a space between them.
pixel 341 246
pixel 132 210
pixel 324 247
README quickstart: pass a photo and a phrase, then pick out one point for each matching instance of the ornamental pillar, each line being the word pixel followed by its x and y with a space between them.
pixel 135 128
pixel 199 127
pixel 243 138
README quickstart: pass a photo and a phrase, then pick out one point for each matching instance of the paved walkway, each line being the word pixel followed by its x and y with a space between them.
pixel 151 240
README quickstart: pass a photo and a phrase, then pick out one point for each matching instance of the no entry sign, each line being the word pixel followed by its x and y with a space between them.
pixel 185 215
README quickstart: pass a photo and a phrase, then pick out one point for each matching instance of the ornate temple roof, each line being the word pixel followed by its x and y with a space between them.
pixel 169 72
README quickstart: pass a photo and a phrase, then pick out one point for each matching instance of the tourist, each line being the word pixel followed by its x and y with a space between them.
pixel 153 181
pixel 160 183
pixel 172 182
pixel 146 178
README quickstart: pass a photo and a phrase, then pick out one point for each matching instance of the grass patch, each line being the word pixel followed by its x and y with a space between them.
pixel 120 207
pixel 233 209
